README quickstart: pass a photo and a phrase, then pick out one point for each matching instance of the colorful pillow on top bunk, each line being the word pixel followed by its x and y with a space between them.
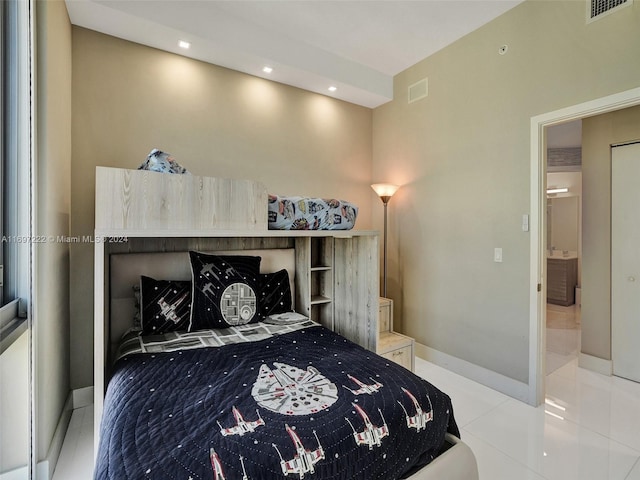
pixel 165 305
pixel 225 289
pixel 159 161
pixel 301 213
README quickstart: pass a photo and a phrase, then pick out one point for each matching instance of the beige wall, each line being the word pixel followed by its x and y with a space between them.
pixel 14 406
pixel 463 155
pixel 128 99
pixel 51 282
pixel 598 134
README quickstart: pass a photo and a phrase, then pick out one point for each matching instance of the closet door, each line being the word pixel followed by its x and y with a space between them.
pixel 625 261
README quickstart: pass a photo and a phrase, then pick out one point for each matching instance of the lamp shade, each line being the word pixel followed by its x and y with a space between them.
pixel 385 189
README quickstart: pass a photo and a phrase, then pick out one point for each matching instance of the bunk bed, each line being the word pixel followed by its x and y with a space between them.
pixel 272 399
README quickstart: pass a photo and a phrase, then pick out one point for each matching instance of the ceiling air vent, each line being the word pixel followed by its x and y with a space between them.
pixel 599 8
pixel 418 90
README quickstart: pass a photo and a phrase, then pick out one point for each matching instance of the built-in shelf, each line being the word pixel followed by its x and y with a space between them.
pixel 317 299
pixel 316 255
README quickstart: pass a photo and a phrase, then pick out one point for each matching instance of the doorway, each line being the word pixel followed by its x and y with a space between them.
pixel 563 244
pixel 538 268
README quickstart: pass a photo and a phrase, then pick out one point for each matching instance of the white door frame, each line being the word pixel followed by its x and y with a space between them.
pixel 537 268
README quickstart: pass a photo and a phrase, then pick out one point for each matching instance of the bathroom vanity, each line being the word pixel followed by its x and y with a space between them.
pixel 562 277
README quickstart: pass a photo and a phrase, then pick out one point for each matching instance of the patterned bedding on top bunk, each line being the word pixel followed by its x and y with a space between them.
pixel 302 213
pixel 262 401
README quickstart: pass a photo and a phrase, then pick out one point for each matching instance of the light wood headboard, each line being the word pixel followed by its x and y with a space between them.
pixel 126 268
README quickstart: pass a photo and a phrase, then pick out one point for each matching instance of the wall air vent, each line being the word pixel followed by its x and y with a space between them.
pixel 418 90
pixel 597 9
pixel 566 159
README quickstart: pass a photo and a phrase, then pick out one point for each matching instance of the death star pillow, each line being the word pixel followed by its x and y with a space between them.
pixel 225 290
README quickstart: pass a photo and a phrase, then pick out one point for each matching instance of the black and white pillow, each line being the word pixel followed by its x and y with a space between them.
pixel 137 320
pixel 165 305
pixel 225 289
pixel 275 293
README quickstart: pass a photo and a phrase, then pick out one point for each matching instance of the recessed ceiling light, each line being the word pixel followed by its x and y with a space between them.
pixel 332 88
pixel 183 44
pixel 267 69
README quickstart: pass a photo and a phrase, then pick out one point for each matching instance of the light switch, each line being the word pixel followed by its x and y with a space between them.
pixel 497 255
pixel 525 223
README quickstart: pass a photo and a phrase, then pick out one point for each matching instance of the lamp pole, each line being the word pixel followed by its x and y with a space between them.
pixel 385 201
pixel 385 191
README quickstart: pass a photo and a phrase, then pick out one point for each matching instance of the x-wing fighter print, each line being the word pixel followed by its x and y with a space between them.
pixel 218 473
pixel 421 418
pixel 242 426
pixel 244 472
pixel 168 310
pixel 304 460
pixel 372 435
pixel 364 388
pixel 216 464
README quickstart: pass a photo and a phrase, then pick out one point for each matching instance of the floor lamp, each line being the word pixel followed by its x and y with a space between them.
pixel 385 191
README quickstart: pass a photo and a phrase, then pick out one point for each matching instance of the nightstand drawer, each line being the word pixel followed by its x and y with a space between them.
pixel 402 356
pixel 396 347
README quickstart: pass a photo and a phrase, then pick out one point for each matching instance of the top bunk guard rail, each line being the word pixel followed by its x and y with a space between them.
pixel 155 203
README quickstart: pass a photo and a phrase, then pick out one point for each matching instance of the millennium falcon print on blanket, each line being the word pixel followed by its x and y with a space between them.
pixel 306 404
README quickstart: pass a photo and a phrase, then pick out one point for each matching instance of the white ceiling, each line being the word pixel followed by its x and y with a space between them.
pixel 357 46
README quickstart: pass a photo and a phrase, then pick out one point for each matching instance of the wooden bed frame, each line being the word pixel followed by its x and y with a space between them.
pixel 335 276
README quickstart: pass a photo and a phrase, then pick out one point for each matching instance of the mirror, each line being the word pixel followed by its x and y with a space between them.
pixel 562 224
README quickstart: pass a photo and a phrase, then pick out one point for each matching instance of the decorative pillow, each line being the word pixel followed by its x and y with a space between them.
pixel 159 161
pixel 165 305
pixel 225 290
pixel 303 213
pixel 274 293
pixel 137 320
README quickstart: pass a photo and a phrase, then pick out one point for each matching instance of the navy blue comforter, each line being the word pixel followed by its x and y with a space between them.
pixel 308 404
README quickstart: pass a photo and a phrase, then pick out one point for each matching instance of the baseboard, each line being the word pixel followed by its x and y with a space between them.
pixel 489 378
pixel 82 397
pixel 46 467
pixel 595 364
pixel 21 473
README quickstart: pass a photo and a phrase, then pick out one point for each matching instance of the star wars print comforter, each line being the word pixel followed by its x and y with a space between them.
pixel 306 404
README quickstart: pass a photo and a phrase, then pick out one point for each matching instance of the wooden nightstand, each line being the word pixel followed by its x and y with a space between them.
pixel 391 345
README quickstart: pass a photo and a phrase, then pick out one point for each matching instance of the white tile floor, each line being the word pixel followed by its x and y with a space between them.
pixel 563 335
pixel 591 430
